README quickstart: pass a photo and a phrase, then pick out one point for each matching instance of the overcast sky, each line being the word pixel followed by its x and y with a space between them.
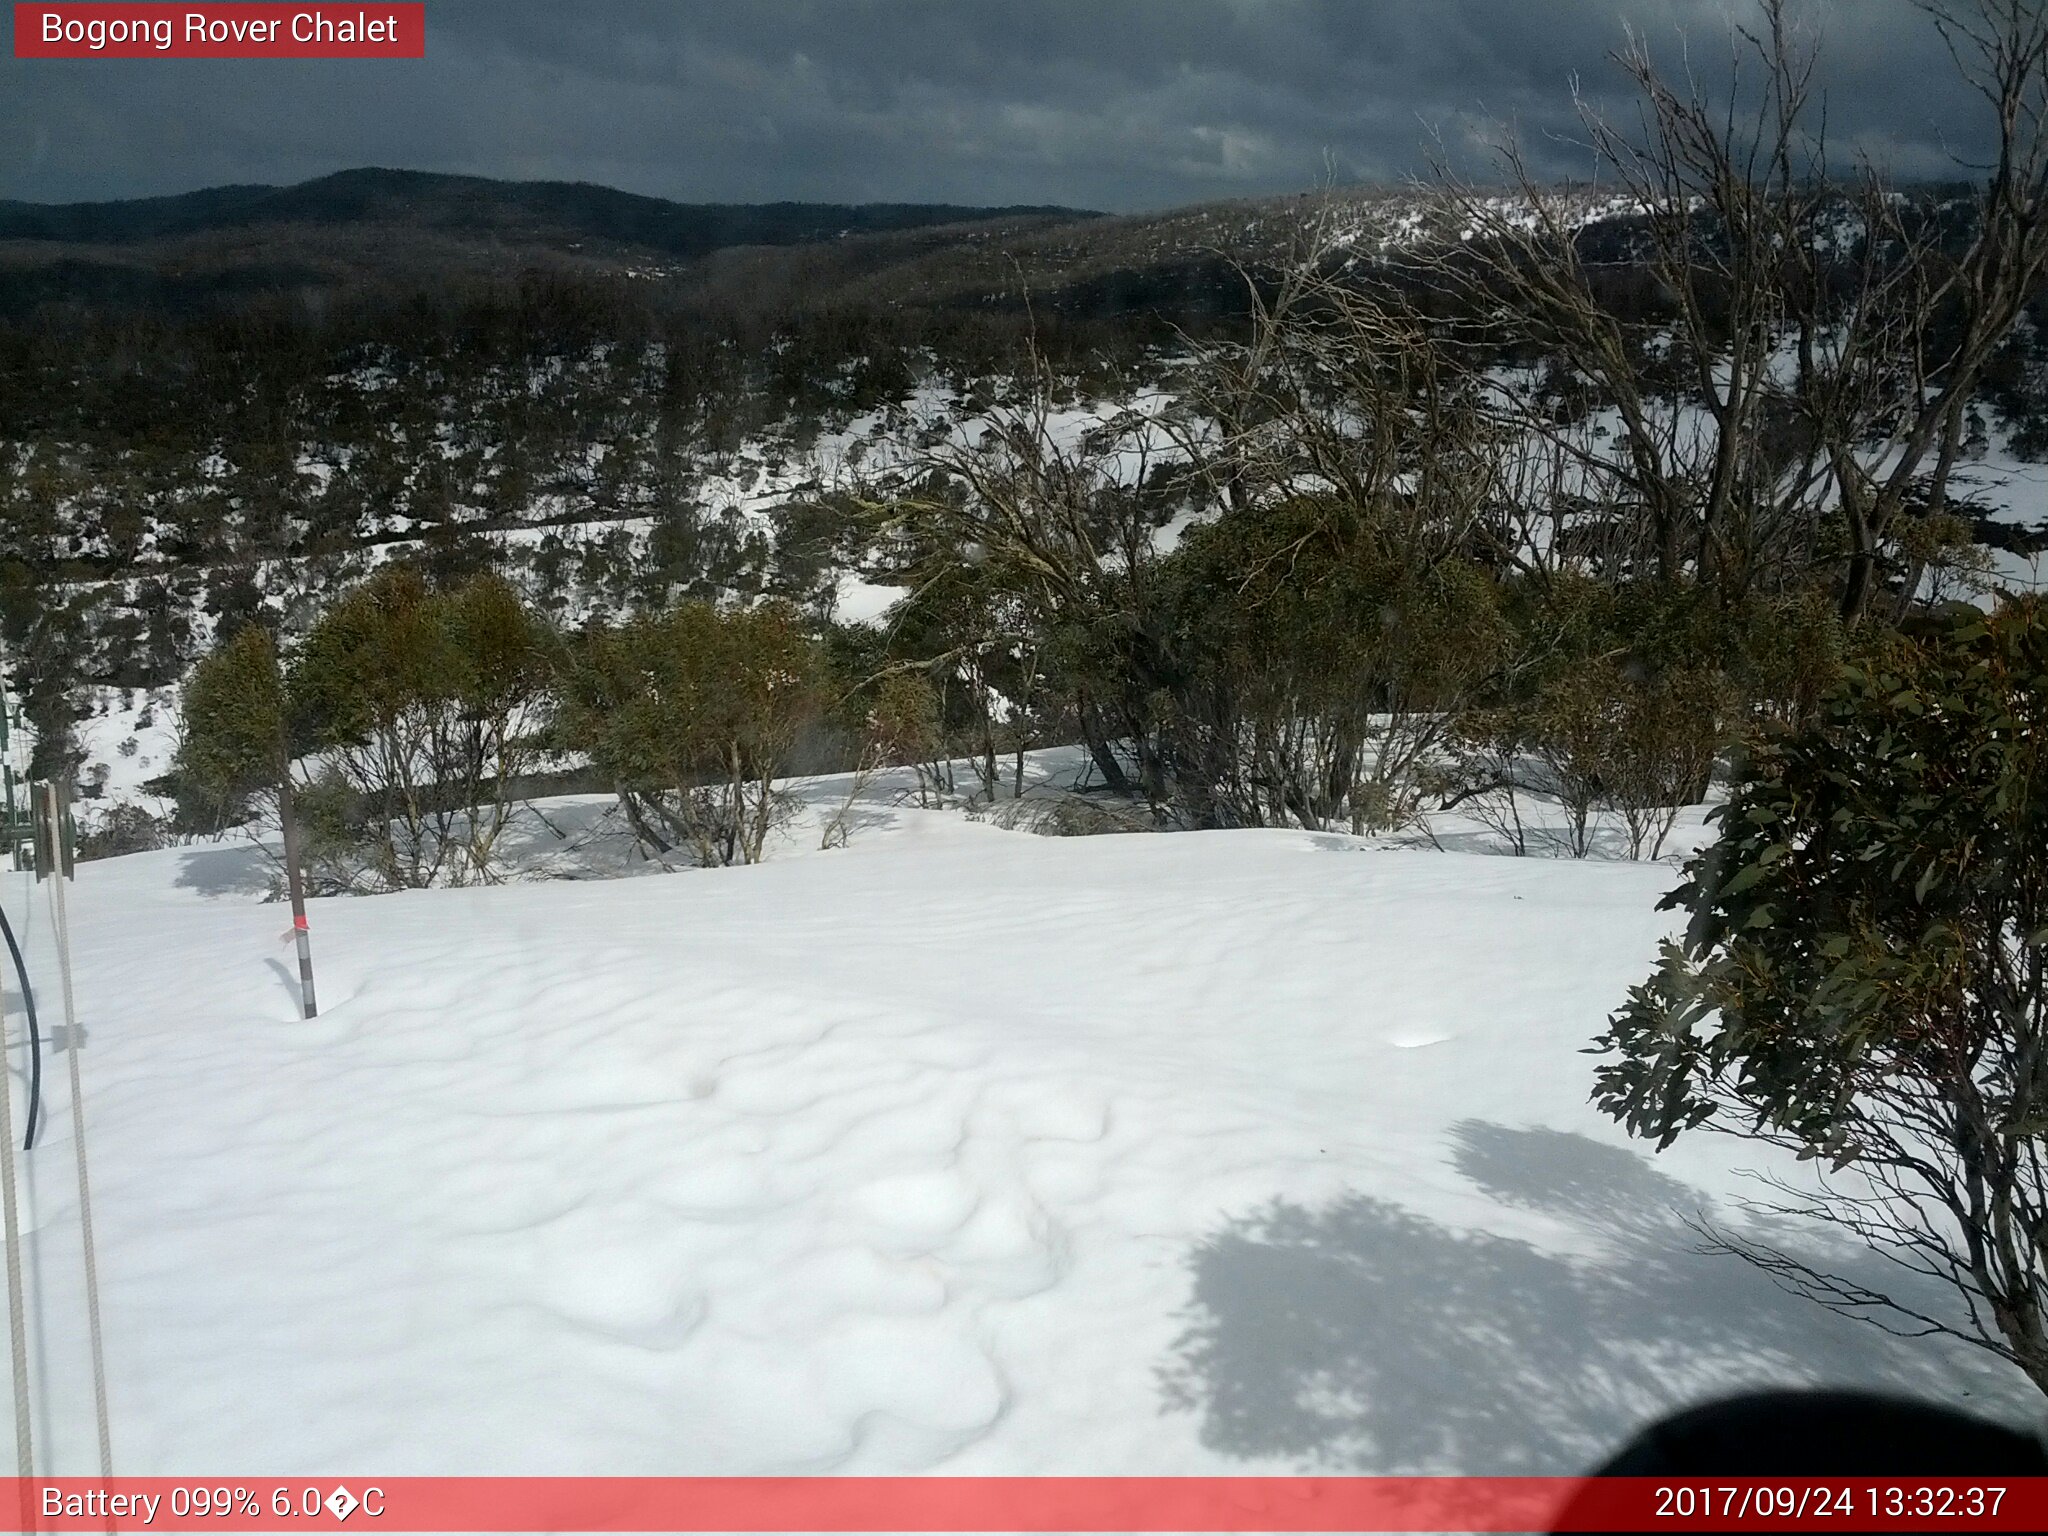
pixel 1113 104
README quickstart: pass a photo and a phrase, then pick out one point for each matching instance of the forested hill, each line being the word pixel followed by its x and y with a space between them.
pixel 535 212
pixel 391 223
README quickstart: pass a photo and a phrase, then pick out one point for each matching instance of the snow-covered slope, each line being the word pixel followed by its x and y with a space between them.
pixel 956 1149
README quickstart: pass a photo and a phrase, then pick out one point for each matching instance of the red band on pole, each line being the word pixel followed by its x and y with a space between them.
pixel 1063 1504
pixel 299 921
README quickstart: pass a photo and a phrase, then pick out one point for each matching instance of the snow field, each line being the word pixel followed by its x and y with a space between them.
pixel 959 1150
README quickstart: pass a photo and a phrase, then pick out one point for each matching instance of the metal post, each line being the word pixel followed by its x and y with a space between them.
pixel 17 1313
pixel 60 913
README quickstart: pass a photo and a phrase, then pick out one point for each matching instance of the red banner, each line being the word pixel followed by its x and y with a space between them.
pixel 520 1504
pixel 149 31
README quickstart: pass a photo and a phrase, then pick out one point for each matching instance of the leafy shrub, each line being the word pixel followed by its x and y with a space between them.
pixel 1618 701
pixel 693 713
pixel 1315 664
pixel 903 723
pixel 233 742
pixel 123 828
pixel 1865 973
pixel 425 704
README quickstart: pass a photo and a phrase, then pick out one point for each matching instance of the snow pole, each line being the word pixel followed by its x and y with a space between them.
pixel 295 883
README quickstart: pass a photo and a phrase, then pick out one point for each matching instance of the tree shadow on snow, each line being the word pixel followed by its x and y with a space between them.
pixel 1364 1337
pixel 240 869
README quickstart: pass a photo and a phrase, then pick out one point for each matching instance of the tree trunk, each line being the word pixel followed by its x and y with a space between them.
pixel 1106 763
pixel 1862 559
pixel 642 832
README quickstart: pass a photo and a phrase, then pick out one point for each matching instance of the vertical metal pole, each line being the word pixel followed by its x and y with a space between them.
pixel 17 1311
pixel 295 883
pixel 17 1316
pixel 62 915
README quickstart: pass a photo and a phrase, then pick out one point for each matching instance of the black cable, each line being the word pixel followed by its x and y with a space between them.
pixel 35 1036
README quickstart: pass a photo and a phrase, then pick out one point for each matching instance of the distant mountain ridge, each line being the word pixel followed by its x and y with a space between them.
pixel 417 232
pixel 556 214
pixel 424 231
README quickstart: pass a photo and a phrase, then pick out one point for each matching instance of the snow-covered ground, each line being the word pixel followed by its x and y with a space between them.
pixel 2018 489
pixel 955 1149
pixel 128 737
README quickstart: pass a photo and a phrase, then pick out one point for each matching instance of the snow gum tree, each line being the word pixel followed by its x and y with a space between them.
pixel 237 745
pixel 426 705
pixel 409 712
pixel 500 671
pixel 233 712
pixel 1865 979
pixel 1316 665
pixel 694 712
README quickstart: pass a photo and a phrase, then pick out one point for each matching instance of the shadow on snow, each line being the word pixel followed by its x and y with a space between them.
pixel 1364 1337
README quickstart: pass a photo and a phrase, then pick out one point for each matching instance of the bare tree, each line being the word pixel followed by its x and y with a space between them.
pixel 1055 518
pixel 1368 459
pixel 1808 341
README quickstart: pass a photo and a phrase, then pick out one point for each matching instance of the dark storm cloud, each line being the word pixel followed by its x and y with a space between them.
pixel 1116 104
